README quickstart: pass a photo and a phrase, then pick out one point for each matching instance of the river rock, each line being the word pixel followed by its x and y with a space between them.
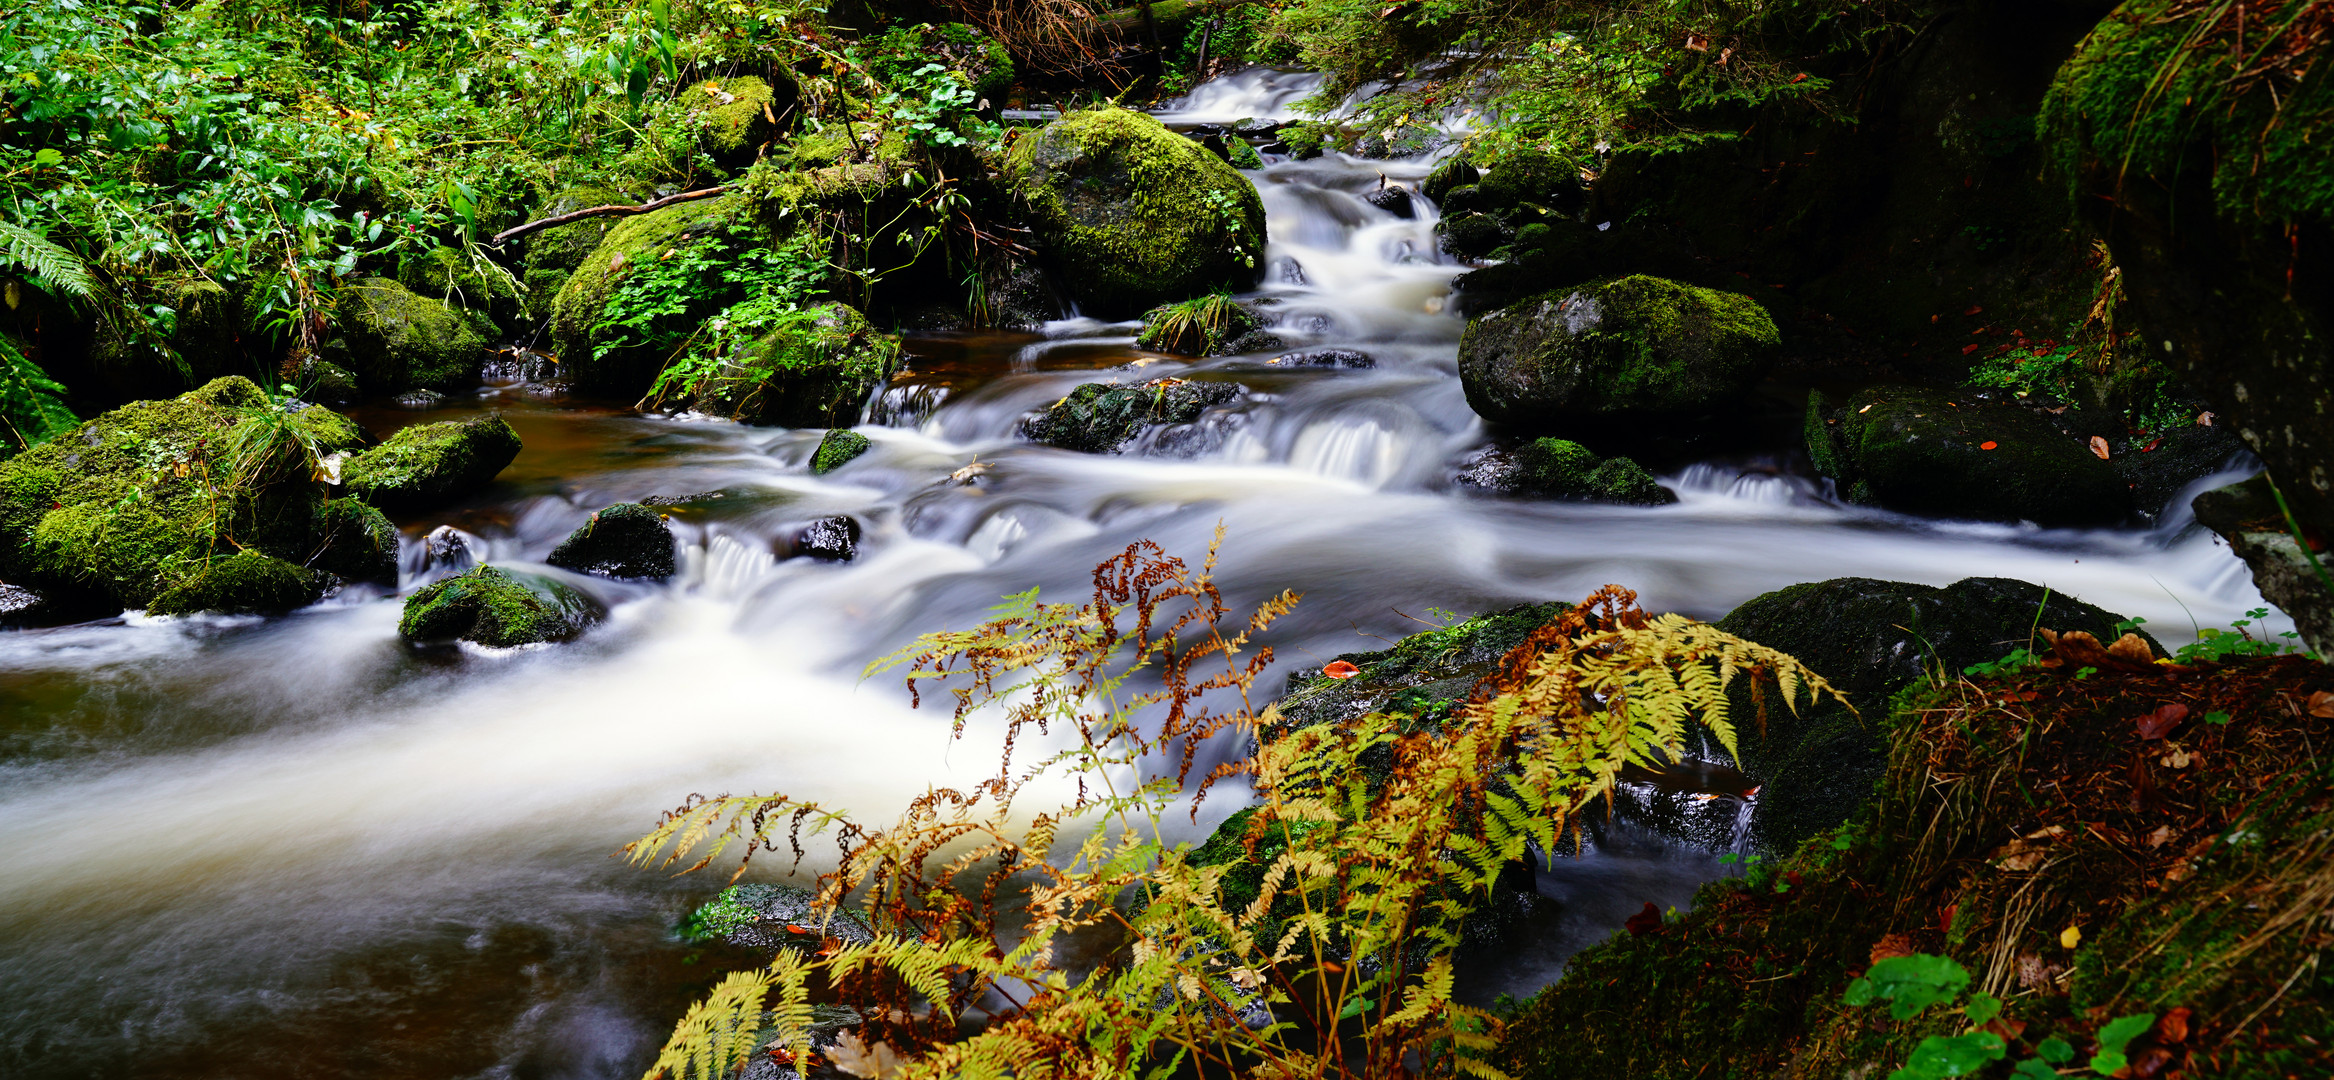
pixel 626 540
pixel 141 501
pixel 396 340
pixel 1627 347
pixel 429 463
pixel 1135 215
pixel 1324 358
pixel 577 311
pixel 1455 172
pixel 1871 639
pixel 2247 516
pixel 770 916
pixel 839 447
pixel 243 582
pixel 1098 418
pixel 833 539
pixel 492 607
pixel 817 370
pixel 1393 199
pixel 355 541
pixel 1568 470
pixel 734 117
pixel 1422 675
pixel 1950 454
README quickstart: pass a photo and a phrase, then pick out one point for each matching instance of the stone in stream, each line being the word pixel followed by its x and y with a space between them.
pixel 1949 453
pixel 1393 199
pixel 1625 348
pixel 429 463
pixel 834 539
pixel 839 447
pixel 394 339
pixel 1135 215
pixel 1568 470
pixel 490 606
pixel 356 542
pixel 1871 639
pixel 150 505
pixel 1098 418
pixel 2248 517
pixel 448 548
pixel 770 916
pixel 816 368
pixel 1324 358
pixel 626 540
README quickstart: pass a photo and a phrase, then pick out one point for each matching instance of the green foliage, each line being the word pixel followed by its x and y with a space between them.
pixel 1196 327
pixel 52 268
pixel 1912 984
pixel 31 404
pixel 697 302
pixel 1333 925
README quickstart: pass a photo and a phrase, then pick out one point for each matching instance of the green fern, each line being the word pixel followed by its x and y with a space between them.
pixel 51 266
pixel 31 404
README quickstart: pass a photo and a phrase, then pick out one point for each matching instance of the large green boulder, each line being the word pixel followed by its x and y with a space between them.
pixel 580 309
pixel 442 273
pixel 1135 215
pixel 1568 470
pixel 492 607
pixel 394 339
pixel 429 463
pixel 1871 639
pixel 1098 418
pixel 838 448
pixel 157 497
pixel 1624 347
pixel 733 117
pixel 626 540
pixel 1950 454
pixel 815 367
pixel 554 253
pixel 243 582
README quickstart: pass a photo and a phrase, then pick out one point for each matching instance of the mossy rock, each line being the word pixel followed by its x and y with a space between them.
pixel 1566 469
pixel 1952 454
pixel 1454 172
pixel 563 248
pixel 207 331
pixel 241 583
pixel 328 383
pixel 759 915
pixel 355 541
pixel 1208 326
pixel 397 340
pixel 626 540
pixel 816 371
pixel 1872 639
pixel 1241 154
pixel 429 463
pixel 1625 347
pixel 1098 418
pixel 734 117
pixel 1422 675
pixel 838 448
pixel 582 301
pixel 443 273
pixel 142 500
pixel 489 606
pixel 1527 176
pixel 1136 215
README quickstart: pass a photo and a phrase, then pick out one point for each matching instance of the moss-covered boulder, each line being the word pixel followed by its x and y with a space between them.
pixel 1135 215
pixel 837 449
pixel 1422 675
pixel 243 582
pixel 1098 418
pixel 1566 469
pixel 443 273
pixel 814 368
pixel 626 540
pixel 429 463
pixel 147 498
pixel 207 330
pixel 355 541
pixel 734 117
pixel 1951 454
pixel 564 247
pixel 582 302
pixel 1871 639
pixel 1214 325
pixel 394 339
pixel 1631 346
pixel 489 606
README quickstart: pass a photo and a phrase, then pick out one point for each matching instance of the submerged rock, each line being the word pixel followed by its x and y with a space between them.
pixel 432 462
pixel 816 369
pixel 1948 454
pixel 1568 470
pixel 489 606
pixel 143 500
pixel 1135 215
pixel 626 540
pixel 1625 347
pixel 396 340
pixel 839 447
pixel 1871 639
pixel 1098 418
pixel 834 539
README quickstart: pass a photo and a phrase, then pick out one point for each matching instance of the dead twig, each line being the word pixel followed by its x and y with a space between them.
pixel 618 210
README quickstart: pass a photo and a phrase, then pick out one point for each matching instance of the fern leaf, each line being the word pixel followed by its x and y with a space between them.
pixel 50 264
pixel 31 403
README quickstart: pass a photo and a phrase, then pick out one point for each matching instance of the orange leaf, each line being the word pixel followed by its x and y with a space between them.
pixel 2099 447
pixel 1968 349
pixel 2173 1028
pixel 2160 723
pixel 1988 445
pixel 2322 705
pixel 1799 78
pixel 1339 669
pixel 1973 309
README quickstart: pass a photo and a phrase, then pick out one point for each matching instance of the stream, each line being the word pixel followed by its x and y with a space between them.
pixel 291 847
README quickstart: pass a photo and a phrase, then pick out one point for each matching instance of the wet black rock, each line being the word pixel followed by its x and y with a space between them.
pixel 1454 172
pixel 626 540
pixel 1633 347
pixel 835 539
pixel 2247 515
pixel 1567 470
pixel 1423 674
pixel 419 399
pixel 448 548
pixel 1946 453
pixel 1393 199
pixel 771 916
pixel 1098 418
pixel 684 500
pixel 1871 639
pixel 1324 358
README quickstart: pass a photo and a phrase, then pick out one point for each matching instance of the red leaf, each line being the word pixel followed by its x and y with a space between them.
pixel 1973 309
pixel 1339 669
pixel 2173 1028
pixel 1945 918
pixel 1646 921
pixel 1968 349
pixel 2152 445
pixel 1987 445
pixel 2099 447
pixel 1799 78
pixel 2160 723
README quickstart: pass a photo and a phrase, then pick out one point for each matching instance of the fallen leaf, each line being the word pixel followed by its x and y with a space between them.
pixel 1968 349
pixel 1865 409
pixel 2005 1027
pixel 2160 723
pixel 1945 918
pixel 2070 937
pixel 1339 669
pixel 2035 973
pixel 1799 78
pixel 1973 309
pixel 2173 1028
pixel 2150 448
pixel 1988 445
pixel 2132 647
pixel 1890 946
pixel 1644 922
pixel 2099 447
pixel 2322 704
pixel 2162 835
pixel 2204 419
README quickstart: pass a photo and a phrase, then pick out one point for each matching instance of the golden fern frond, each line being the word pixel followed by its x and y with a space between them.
pixel 718 1033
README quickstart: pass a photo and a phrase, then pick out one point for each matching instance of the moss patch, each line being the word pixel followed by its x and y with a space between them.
pixel 491 607
pixel 584 297
pixel 1135 214
pixel 397 340
pixel 355 541
pixel 1626 346
pixel 734 117
pixel 245 581
pixel 432 462
pixel 837 449
pixel 1569 470
pixel 816 370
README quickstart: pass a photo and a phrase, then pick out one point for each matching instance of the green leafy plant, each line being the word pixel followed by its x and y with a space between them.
pixel 1914 984
pixel 31 404
pixel 1196 327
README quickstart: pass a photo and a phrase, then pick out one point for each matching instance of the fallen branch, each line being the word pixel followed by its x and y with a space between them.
pixel 508 235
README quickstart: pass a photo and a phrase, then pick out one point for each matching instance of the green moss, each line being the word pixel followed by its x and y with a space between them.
pixel 432 462
pixel 564 248
pixel 396 340
pixel 491 607
pixel 1455 172
pixel 245 581
pixel 1931 452
pixel 812 371
pixel 836 450
pixel 207 328
pixel 443 273
pixel 1201 327
pixel 1098 418
pixel 583 299
pixel 1567 469
pixel 1623 346
pixel 1136 214
pixel 355 541
pixel 734 117
pixel 1242 154
pixel 626 540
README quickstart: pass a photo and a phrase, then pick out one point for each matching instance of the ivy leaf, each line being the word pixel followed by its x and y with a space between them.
pixel 2118 1034
pixel 2055 1050
pixel 1910 984
pixel 1956 1055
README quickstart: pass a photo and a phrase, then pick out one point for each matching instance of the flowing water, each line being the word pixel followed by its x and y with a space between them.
pixel 246 847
